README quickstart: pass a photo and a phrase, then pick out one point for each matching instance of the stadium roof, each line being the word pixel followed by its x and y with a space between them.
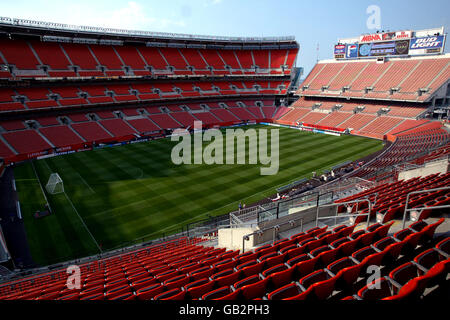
pixel 7 23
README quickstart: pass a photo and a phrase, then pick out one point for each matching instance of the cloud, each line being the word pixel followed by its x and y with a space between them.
pixel 131 16
pixel 209 3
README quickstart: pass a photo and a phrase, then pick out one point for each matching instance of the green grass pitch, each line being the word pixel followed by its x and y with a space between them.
pixel 116 195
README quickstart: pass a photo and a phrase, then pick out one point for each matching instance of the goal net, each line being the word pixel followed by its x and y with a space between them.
pixel 55 184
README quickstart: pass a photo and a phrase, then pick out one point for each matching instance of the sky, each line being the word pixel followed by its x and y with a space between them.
pixel 316 25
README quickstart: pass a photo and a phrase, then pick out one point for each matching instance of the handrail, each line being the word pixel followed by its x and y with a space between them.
pixel 357 201
pixel 275 228
pixel 431 208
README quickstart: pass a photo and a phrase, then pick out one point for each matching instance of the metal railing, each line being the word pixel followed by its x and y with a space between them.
pixel 421 208
pixel 275 229
pixel 76 28
pixel 352 183
pixel 336 216
pixel 292 222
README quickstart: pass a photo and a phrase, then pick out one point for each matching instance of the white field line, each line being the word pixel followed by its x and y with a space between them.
pixel 85 182
pixel 40 185
pixel 82 221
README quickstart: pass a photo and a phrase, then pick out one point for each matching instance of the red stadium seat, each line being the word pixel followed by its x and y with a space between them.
pixel 321 282
pixel 198 288
pixel 255 290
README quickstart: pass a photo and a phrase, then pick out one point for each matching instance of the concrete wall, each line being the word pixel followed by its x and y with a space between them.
pixel 231 238
pixel 429 168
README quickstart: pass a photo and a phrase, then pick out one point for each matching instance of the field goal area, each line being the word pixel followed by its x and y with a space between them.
pixel 55 184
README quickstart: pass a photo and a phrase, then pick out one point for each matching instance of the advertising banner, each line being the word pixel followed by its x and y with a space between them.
pixel 370 38
pixel 384 36
pixel 339 51
pixel 426 45
pixel 395 43
pixel 364 49
pixel 398 35
pixel 379 49
pixel 351 51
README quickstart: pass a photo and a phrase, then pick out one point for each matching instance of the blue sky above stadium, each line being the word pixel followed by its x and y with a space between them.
pixel 315 24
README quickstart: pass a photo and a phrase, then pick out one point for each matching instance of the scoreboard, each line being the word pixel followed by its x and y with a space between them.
pixel 400 43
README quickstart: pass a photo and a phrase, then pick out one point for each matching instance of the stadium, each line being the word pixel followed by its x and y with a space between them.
pixel 89 119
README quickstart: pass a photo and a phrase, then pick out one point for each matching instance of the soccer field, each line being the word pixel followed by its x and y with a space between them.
pixel 118 194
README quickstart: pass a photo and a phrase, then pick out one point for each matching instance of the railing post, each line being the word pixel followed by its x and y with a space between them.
pixel 405 210
pixel 278 209
pixel 317 210
pixel 369 213
pixel 336 214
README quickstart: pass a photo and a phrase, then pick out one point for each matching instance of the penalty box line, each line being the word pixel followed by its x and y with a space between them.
pixel 82 221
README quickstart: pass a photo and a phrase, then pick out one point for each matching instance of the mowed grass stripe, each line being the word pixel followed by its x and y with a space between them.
pixel 105 228
pixel 139 191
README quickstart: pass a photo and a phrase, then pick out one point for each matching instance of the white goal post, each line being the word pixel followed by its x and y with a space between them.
pixel 55 184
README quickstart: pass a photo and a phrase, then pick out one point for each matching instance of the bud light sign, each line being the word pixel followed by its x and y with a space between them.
pixel 426 45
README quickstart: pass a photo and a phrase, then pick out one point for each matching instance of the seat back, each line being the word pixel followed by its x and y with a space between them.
pixel 299 258
pixel 149 292
pixel 374 259
pixel 305 295
pixel 201 273
pixel 231 296
pixel 314 277
pixel 246 281
pixel 304 268
pixel 176 282
pixel 340 264
pixel 403 273
pixel 284 292
pixel 431 228
pixel 380 288
pixel 218 293
pixel 328 256
pixel 348 248
pixel 281 278
pixel 444 245
pixel 428 258
pixel 254 269
pixel 174 294
pixel 383 230
pixel 228 279
pixel 323 289
pixel 409 290
pixel 199 288
pixel 255 290
pixel 274 269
